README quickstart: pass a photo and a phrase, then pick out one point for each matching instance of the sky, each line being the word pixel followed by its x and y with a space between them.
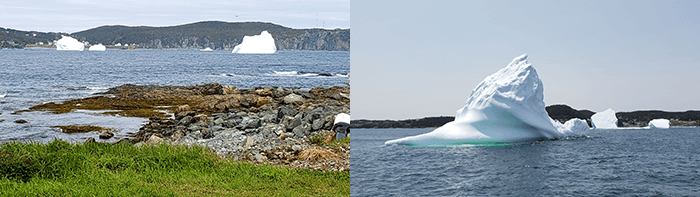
pixel 414 59
pixel 70 16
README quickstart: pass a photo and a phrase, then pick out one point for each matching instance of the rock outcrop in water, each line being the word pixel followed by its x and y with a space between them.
pixel 261 125
pixel 273 125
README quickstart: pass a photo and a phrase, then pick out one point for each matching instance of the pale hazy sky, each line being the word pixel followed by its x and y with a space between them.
pixel 412 59
pixel 71 16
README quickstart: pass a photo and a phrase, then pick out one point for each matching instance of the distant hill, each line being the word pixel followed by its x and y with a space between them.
pixel 642 118
pixel 411 123
pixel 11 38
pixel 564 113
pixel 214 34
pixel 557 112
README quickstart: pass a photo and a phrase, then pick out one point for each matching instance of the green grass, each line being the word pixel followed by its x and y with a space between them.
pixel 340 142
pixel 94 169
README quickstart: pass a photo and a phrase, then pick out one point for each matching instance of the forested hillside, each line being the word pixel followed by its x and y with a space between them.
pixel 11 38
pixel 216 35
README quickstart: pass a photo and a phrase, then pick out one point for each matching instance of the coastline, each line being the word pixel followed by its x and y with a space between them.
pixel 561 113
pixel 264 125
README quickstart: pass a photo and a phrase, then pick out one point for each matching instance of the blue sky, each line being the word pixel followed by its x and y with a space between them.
pixel 412 59
pixel 71 16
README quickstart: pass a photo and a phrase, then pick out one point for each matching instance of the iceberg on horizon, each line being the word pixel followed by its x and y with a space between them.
pixel 67 43
pixel 659 123
pixel 604 120
pixel 97 47
pixel 206 49
pixel 507 106
pixel 257 44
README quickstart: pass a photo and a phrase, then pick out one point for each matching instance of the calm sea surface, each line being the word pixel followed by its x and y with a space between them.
pixel 624 162
pixel 35 76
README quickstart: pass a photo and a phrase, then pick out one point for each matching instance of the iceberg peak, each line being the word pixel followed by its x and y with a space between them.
pixel 521 58
pixel 507 106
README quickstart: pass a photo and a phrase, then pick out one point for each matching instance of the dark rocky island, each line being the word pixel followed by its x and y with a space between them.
pixel 560 113
pixel 410 123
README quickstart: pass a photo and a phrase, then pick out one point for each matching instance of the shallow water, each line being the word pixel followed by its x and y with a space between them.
pixel 627 162
pixel 35 76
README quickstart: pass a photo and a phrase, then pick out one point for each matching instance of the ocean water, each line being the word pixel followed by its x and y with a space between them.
pixel 35 76
pixel 623 162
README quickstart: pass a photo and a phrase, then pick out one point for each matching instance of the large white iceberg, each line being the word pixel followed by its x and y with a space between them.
pixel 260 44
pixel 659 123
pixel 604 120
pixel 507 106
pixel 97 47
pixel 67 43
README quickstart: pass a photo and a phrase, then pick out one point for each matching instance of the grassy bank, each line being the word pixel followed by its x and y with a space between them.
pixel 62 169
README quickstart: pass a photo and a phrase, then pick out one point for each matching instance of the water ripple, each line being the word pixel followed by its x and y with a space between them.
pixel 606 163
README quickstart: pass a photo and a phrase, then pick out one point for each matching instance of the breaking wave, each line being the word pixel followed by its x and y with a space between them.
pixel 306 74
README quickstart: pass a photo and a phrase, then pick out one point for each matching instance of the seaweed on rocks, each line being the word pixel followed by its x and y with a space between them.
pixel 255 125
pixel 260 124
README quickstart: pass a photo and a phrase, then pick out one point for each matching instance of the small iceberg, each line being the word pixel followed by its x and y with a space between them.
pixel 67 43
pixel 3 95
pixel 659 123
pixel 97 47
pixel 507 106
pixel 206 49
pixel 604 120
pixel 257 44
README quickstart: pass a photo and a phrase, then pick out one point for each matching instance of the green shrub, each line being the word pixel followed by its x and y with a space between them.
pixel 316 139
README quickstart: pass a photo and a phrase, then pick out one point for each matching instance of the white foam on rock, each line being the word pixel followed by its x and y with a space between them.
pixel 97 47
pixel 67 43
pixel 604 120
pixel 507 106
pixel 257 44
pixel 659 124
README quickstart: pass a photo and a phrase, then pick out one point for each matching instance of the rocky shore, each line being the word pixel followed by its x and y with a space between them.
pixel 267 125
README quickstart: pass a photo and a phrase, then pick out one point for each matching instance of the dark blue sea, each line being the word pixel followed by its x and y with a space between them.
pixel 622 162
pixel 34 76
